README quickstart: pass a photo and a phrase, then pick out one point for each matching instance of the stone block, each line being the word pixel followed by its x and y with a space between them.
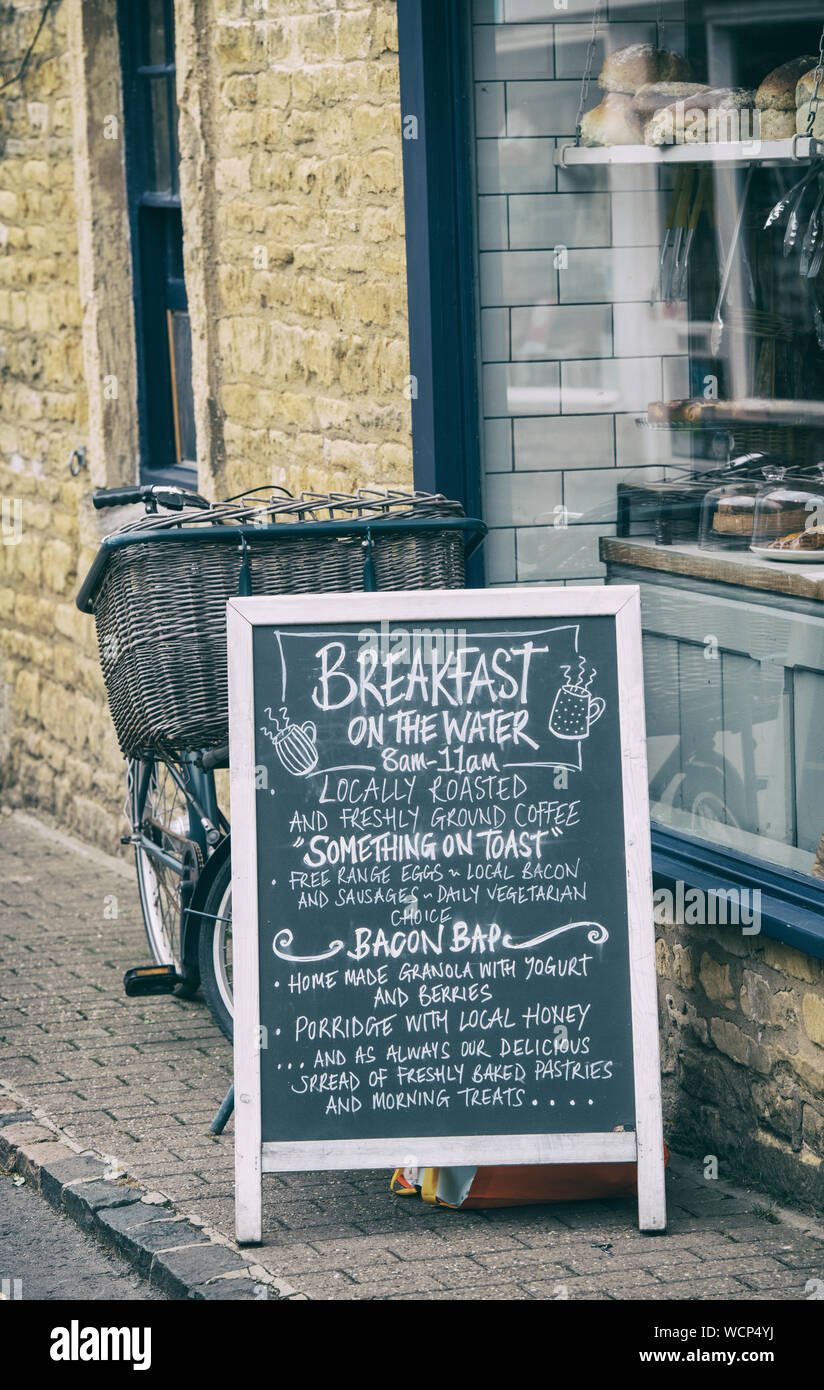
pixel 739 1046
pixel 55 1175
pixel 807 1065
pixel 788 961
pixel 178 1272
pixel 761 1003
pixel 813 1015
pixel 715 980
pixel 140 1235
pixel 84 1200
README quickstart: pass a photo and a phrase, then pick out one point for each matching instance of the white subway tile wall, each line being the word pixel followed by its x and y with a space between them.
pixel 572 349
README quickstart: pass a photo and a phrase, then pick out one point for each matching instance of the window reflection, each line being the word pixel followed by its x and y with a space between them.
pixel 645 340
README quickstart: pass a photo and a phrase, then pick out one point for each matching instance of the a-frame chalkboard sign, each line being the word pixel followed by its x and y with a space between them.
pixel 442 900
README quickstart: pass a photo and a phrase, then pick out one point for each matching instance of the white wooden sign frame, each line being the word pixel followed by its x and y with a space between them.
pixel 416 608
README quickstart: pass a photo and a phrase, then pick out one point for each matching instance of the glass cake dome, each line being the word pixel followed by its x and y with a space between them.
pixel 789 519
pixel 728 510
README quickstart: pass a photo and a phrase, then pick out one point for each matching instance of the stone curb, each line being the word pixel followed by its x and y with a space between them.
pixel 172 1252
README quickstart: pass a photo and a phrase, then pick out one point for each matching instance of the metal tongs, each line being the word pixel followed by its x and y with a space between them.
pixel 790 202
pixel 812 247
pixel 717 330
pixel 702 203
pixel 676 223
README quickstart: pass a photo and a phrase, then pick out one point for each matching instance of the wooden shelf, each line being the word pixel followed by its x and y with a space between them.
pixel 766 413
pixel 722 566
pixel 800 149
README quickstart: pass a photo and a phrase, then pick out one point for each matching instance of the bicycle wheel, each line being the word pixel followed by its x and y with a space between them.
pixel 215 950
pixel 157 808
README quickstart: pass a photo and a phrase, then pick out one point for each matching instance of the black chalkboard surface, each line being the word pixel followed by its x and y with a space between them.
pixel 435 813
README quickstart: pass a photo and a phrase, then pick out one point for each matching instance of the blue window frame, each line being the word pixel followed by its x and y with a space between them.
pixel 165 399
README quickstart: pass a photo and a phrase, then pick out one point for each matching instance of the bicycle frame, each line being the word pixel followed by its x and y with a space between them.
pixel 207 823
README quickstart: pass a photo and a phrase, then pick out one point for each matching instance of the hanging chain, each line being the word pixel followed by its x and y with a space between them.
pixel 587 78
pixel 819 78
pixel 659 27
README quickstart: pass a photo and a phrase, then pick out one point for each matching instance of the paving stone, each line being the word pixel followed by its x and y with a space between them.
pixel 83 1201
pixel 234 1290
pixel 55 1175
pixel 23 1132
pixel 790 1279
pixel 178 1271
pixel 456 1274
pixel 607 1263
pixel 341 1288
pixel 141 1080
pixel 128 1229
pixel 691 1291
pixel 506 1293
pixel 15 1117
pixel 524 1264
pixel 28 1158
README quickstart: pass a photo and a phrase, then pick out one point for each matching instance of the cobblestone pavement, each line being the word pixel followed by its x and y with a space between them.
pixel 139 1080
pixel 43 1255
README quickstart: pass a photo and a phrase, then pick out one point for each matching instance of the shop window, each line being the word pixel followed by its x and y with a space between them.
pixel 167 433
pixel 648 369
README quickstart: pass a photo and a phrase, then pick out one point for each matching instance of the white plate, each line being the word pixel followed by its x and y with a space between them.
pixel 791 557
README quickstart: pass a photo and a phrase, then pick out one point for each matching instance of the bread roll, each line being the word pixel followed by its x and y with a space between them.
pixel 628 69
pixel 778 90
pixel 777 125
pixel 655 95
pixel 613 122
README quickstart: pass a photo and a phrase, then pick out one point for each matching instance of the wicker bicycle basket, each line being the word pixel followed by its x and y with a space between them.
pixel 160 607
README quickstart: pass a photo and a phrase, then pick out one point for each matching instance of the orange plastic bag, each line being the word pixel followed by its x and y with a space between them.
pixel 517 1185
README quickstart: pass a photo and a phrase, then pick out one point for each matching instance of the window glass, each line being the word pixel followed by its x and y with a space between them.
pixel 166 403
pixel 160 172
pixel 155 48
pixel 652 371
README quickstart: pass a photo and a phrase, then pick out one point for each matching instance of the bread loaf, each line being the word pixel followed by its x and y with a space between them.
pixel 613 122
pixel 777 125
pixel 806 86
pixel 656 95
pixel 778 90
pixel 802 114
pixel 628 69
pixel 712 114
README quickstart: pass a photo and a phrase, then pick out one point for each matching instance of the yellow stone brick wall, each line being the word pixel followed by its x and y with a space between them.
pixel 57 748
pixel 742 1041
pixel 291 179
pixel 299 101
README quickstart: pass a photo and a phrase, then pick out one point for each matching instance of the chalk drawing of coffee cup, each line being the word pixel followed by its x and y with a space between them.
pixel 296 747
pixel 575 710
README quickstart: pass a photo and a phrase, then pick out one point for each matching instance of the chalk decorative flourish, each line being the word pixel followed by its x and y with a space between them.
pixel 283 940
pixel 597 936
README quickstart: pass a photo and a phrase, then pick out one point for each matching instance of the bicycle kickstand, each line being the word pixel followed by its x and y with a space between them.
pixel 224 1114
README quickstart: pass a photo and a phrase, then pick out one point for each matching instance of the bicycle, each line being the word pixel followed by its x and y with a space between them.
pixel 179 833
